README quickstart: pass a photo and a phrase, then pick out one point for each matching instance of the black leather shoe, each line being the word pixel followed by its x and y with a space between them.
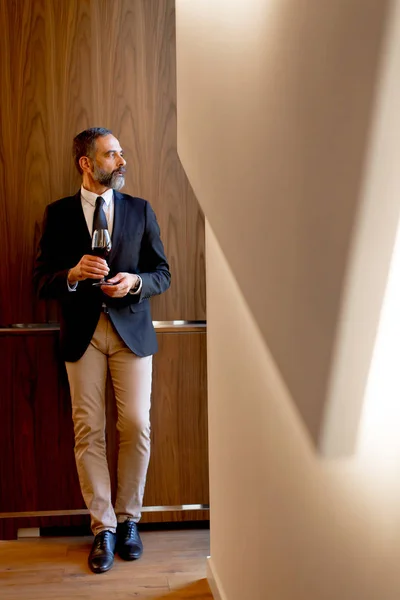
pixel 129 544
pixel 101 557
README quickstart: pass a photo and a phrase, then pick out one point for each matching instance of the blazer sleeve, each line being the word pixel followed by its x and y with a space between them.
pixel 49 278
pixel 154 268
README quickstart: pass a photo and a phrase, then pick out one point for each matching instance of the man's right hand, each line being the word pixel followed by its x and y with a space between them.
pixel 89 267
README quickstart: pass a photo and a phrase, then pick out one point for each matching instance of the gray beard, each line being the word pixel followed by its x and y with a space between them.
pixel 109 180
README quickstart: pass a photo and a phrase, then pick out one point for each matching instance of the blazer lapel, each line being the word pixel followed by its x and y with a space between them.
pixel 119 222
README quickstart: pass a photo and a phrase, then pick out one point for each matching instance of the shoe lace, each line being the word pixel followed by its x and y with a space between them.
pixel 103 540
pixel 130 527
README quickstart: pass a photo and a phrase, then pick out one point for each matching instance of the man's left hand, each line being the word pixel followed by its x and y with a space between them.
pixel 123 283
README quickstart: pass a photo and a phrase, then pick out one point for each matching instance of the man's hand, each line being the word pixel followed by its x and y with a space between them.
pixel 123 283
pixel 89 267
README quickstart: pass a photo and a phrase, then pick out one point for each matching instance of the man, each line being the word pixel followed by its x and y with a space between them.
pixel 107 325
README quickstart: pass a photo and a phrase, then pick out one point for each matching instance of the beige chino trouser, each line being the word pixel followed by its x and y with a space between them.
pixel 131 377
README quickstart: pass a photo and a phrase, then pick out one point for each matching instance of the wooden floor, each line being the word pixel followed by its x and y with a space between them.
pixel 173 567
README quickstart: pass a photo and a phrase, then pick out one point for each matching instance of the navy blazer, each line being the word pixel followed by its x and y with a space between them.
pixel 136 248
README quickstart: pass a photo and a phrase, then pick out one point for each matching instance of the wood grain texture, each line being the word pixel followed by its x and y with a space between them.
pixel 178 471
pixel 69 65
pixel 37 465
pixel 173 567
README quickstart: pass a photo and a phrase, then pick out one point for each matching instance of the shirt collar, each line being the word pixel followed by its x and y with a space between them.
pixel 91 196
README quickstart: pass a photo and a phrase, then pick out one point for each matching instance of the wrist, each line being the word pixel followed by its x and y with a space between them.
pixel 72 278
pixel 135 283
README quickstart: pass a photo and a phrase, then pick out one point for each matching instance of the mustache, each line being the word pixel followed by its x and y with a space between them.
pixel 121 171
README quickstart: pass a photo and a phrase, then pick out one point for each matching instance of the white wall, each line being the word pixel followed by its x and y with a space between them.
pixel 285 524
pixel 301 220
pixel 275 99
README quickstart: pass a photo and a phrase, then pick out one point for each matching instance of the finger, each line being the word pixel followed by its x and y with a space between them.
pixel 119 277
pixel 118 282
pixel 115 291
pixel 111 291
pixel 106 290
pixel 95 272
pixel 94 260
pixel 95 275
pixel 93 268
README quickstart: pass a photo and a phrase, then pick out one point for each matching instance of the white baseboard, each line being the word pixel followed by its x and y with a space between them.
pixel 214 582
pixel 30 532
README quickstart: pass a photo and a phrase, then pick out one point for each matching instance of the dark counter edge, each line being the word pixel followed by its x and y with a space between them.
pixel 159 326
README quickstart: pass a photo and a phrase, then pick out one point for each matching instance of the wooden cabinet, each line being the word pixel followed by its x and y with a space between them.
pixel 37 465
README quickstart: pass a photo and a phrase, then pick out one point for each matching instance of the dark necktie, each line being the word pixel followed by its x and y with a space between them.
pixel 99 217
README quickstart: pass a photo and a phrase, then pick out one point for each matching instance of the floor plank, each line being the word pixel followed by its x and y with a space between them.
pixel 173 567
pixel 198 590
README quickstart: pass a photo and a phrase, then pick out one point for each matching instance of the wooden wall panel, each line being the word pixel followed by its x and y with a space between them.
pixel 178 471
pixel 70 64
pixel 37 465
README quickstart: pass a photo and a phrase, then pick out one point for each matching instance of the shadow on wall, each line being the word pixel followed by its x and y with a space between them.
pixel 281 125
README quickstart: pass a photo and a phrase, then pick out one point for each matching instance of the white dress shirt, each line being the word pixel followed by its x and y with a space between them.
pixel 88 200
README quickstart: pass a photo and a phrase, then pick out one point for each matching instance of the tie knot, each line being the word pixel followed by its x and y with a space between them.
pixel 100 202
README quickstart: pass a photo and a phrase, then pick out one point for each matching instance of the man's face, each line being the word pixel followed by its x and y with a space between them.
pixel 108 165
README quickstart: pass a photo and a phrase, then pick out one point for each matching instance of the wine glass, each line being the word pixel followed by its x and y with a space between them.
pixel 101 246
